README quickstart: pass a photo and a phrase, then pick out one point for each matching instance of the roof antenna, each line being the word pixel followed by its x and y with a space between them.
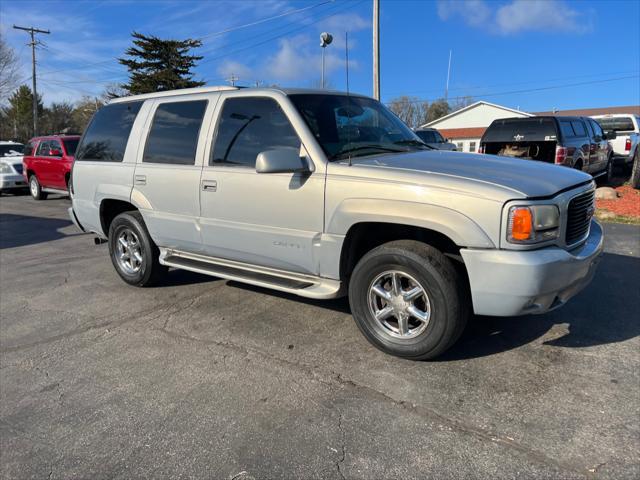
pixel 346 54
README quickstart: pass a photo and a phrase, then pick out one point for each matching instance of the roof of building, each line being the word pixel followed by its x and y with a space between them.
pixel 456 133
pixel 474 105
pixel 587 112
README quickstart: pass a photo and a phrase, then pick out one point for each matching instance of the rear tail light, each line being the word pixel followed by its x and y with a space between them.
pixel 627 145
pixel 561 155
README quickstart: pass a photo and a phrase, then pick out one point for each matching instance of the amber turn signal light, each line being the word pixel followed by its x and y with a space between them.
pixel 521 223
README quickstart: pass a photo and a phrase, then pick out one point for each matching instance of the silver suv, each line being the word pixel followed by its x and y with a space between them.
pixel 324 194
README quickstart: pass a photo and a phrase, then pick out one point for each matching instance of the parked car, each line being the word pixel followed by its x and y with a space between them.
pixel 11 167
pixel 47 164
pixel 322 194
pixel 576 142
pixel 626 144
pixel 434 139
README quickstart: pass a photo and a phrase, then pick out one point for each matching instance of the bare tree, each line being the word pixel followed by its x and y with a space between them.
pixel 410 110
pixel 460 103
pixel 9 70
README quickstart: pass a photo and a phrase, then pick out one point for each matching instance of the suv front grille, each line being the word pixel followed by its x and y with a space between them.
pixel 579 213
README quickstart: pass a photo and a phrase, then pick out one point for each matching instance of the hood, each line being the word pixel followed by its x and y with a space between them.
pixel 528 178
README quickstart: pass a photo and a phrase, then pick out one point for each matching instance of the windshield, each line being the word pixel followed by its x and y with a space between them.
pixel 70 146
pixel 354 126
pixel 430 136
pixel 617 124
pixel 11 150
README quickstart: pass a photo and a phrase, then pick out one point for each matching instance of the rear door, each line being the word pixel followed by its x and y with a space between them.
pixel 601 147
pixel 56 165
pixel 167 174
pixel 41 164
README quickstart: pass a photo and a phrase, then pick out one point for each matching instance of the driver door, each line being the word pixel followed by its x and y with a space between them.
pixel 265 219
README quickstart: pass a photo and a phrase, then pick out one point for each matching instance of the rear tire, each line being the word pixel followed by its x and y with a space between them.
pixel 634 180
pixel 36 189
pixel 133 253
pixel 408 300
pixel 606 178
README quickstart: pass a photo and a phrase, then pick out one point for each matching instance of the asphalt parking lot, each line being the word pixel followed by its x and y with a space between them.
pixel 204 378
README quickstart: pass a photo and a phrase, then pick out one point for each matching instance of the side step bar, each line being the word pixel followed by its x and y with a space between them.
pixel 299 284
pixel 55 190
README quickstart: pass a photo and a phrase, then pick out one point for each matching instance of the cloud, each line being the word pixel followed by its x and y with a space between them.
pixel 517 16
pixel 230 67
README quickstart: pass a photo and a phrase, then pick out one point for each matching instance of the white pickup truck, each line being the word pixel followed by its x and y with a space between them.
pixel 625 145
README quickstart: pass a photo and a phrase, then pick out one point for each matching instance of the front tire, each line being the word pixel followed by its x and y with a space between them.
pixel 36 189
pixel 408 300
pixel 133 253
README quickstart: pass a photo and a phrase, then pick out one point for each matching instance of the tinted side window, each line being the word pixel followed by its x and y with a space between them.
pixel 43 149
pixel 55 145
pixel 106 137
pixel 174 133
pixel 578 127
pixel 566 129
pixel 589 125
pixel 248 126
pixel 28 150
pixel 596 128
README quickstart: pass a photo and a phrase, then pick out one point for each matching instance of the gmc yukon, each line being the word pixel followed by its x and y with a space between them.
pixel 324 194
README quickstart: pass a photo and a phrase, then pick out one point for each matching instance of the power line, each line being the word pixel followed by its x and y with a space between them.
pixel 233 52
pixel 263 20
pixel 553 87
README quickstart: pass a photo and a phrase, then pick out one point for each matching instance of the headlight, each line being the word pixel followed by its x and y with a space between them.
pixel 5 168
pixel 533 224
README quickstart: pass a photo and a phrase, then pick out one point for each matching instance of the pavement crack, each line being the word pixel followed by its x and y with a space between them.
pixel 343 450
pixel 332 378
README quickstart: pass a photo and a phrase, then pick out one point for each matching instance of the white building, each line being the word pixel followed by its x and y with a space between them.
pixel 466 126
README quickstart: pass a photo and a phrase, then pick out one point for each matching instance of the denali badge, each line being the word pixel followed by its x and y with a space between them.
pixel 518 137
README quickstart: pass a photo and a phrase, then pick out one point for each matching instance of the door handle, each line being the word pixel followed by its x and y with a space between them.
pixel 209 185
pixel 140 180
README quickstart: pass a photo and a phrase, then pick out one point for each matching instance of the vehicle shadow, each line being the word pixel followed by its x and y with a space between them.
pixel 605 312
pixel 177 277
pixel 22 230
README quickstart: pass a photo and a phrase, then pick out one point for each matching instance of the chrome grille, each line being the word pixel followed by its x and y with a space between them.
pixel 579 213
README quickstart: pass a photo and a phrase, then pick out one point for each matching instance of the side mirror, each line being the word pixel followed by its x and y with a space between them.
pixel 54 152
pixel 610 135
pixel 281 160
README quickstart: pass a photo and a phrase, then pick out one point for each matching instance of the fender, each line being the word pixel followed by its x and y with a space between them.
pixel 458 227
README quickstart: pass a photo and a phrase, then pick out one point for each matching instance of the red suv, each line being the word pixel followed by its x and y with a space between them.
pixel 47 164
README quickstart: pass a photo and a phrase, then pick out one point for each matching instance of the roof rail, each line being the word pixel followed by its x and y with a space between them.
pixel 172 93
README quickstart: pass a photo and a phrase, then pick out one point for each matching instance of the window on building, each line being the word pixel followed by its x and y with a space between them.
pixel 174 133
pixel 472 146
pixel 459 146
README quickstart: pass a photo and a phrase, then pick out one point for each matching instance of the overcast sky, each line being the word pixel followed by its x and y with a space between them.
pixel 527 54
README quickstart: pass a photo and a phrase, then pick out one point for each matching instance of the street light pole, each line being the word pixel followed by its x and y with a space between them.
pixel 376 49
pixel 32 31
pixel 325 39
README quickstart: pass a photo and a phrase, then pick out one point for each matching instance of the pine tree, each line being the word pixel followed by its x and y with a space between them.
pixel 155 64
pixel 18 116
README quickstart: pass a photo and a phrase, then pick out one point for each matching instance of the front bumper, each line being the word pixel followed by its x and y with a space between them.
pixel 12 181
pixel 506 282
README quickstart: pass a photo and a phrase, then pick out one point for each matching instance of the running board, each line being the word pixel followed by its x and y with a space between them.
pixel 55 190
pixel 298 284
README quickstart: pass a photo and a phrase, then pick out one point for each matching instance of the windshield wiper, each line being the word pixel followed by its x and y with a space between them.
pixel 366 147
pixel 414 143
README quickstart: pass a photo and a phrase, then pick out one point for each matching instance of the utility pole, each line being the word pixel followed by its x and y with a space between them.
pixel 32 31
pixel 233 78
pixel 376 49
pixel 446 90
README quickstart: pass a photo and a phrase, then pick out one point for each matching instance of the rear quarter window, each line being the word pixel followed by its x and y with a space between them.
pixel 567 129
pixel 29 148
pixel 578 127
pixel 106 137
